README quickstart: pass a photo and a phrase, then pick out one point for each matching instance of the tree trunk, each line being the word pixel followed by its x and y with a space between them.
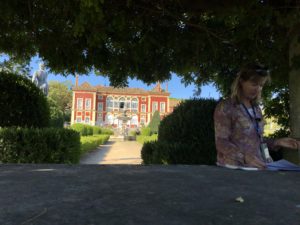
pixel 294 88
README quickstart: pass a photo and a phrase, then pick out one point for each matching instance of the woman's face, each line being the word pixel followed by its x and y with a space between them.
pixel 252 88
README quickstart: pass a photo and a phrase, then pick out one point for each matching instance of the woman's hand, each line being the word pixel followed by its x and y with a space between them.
pixel 253 161
pixel 287 143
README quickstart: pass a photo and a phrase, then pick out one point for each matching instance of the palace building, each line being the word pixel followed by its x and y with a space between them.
pixel 104 105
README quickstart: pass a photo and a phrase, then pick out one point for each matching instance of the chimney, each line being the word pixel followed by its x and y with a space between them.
pixel 158 85
pixel 76 80
pixel 166 86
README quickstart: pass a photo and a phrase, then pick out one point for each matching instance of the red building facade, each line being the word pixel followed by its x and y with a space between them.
pixel 104 106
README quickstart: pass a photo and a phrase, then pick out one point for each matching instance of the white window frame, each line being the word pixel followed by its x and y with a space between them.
pixel 78 119
pixel 100 108
pixel 109 100
pixel 134 104
pixel 143 108
pixel 163 106
pixel 122 99
pixel 87 120
pixel 156 106
pixel 88 106
pixel 79 103
pixel 143 120
pixel 100 117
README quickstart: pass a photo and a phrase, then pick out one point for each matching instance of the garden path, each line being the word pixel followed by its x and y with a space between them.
pixel 114 152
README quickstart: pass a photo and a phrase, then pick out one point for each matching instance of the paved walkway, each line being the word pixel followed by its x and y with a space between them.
pixel 115 152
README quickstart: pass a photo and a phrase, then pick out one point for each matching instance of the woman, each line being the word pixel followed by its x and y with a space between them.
pixel 239 123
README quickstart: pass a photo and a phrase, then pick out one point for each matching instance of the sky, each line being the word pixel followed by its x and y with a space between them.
pixel 176 88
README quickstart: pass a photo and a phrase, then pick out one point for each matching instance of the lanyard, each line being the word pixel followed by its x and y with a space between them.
pixel 256 125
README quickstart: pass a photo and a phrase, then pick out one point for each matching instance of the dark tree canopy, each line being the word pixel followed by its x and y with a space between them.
pixel 199 40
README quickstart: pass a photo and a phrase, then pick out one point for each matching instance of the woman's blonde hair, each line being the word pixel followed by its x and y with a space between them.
pixel 253 72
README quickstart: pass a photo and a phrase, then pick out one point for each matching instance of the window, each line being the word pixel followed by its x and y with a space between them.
pixel 109 104
pixel 79 103
pixel 143 120
pixel 134 105
pixel 116 104
pixel 143 99
pixel 99 117
pixel 162 107
pixel 143 108
pixel 154 106
pixel 87 103
pixel 100 106
pixel 87 120
pixel 100 97
pixel 78 119
pixel 99 121
pixel 128 105
pixel 122 103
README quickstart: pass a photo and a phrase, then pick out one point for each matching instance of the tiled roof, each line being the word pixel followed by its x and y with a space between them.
pixel 107 89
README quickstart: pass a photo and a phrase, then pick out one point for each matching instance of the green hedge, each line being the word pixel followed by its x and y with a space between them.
pixel 47 145
pixel 22 103
pixel 143 139
pixel 146 131
pixel 106 131
pixel 88 130
pixel 186 136
pixel 96 130
pixel 155 152
pixel 89 143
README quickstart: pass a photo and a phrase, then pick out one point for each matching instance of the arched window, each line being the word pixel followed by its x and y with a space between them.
pixel 134 105
pixel 122 103
pixel 116 103
pixel 128 104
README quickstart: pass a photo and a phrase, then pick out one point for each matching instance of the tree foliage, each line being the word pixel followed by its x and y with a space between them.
pixel 149 39
pixel 154 123
pixel 201 41
pixel 14 65
pixel 61 96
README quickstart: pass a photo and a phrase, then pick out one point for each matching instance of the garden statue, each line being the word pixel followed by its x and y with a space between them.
pixel 39 78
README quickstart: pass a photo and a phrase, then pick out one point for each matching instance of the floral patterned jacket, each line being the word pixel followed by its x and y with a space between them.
pixel 235 133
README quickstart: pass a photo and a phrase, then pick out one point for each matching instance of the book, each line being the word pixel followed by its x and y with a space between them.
pixel 283 165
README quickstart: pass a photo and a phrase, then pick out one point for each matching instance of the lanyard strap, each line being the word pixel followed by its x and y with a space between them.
pixel 256 125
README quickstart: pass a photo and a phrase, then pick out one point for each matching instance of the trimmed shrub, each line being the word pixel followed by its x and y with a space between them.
pixel 154 123
pixel 96 130
pixel 81 128
pixel 146 131
pixel 187 135
pixel 142 139
pixel 89 143
pixel 106 131
pixel 33 145
pixel 22 103
pixel 155 152
pixel 88 130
